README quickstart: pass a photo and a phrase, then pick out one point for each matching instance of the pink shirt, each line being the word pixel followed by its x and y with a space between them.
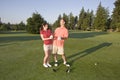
pixel 62 32
pixel 46 34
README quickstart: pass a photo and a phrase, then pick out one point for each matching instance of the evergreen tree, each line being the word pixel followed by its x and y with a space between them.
pixel 0 24
pixel 108 23
pixel 81 17
pixel 116 16
pixel 66 18
pixel 71 21
pixel 87 20
pixel 101 18
pixel 57 22
pixel 21 26
pixel 91 19
pixel 4 27
pixel 75 22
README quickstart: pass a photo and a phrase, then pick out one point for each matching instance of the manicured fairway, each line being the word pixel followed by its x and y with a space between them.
pixel 92 56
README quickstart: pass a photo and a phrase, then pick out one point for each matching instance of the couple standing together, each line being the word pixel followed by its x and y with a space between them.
pixel 54 42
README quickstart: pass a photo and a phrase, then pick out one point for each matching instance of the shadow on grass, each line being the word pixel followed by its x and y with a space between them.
pixel 13 32
pixel 72 58
pixel 6 44
pixel 7 40
pixel 18 38
pixel 86 35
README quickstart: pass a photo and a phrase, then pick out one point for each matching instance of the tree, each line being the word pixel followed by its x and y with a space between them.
pixel 0 24
pixel 34 23
pixel 75 22
pixel 71 21
pixel 101 18
pixel 116 16
pixel 87 20
pixel 81 17
pixel 4 27
pixel 57 22
pixel 21 26
pixel 66 18
pixel 91 19
pixel 15 27
pixel 108 23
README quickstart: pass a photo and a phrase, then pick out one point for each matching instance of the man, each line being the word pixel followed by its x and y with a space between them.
pixel 60 34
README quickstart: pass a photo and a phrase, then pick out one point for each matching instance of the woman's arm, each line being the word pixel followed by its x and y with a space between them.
pixel 43 37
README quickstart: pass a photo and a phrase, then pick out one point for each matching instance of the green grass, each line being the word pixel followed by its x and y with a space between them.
pixel 21 56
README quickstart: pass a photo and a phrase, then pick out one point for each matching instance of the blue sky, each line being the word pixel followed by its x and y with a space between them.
pixel 15 11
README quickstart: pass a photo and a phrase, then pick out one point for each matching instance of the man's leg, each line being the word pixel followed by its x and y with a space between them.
pixel 55 55
pixel 64 58
pixel 65 61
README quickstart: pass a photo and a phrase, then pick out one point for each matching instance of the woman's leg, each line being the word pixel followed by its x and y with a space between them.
pixel 48 59
pixel 45 57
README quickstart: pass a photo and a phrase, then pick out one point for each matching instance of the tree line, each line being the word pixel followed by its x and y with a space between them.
pixel 86 21
pixel 8 26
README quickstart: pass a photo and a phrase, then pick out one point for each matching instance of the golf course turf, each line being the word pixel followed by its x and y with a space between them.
pixel 92 56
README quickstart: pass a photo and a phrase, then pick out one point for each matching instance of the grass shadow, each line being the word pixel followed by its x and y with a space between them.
pixel 13 32
pixel 72 58
pixel 19 36
pixel 86 35
pixel 6 44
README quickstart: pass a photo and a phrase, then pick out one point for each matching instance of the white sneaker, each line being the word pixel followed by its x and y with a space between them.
pixel 45 65
pixel 49 65
pixel 66 64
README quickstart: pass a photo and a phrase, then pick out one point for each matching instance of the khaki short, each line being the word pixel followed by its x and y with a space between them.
pixel 47 47
pixel 58 50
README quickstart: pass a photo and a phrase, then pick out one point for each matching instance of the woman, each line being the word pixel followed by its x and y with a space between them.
pixel 46 36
